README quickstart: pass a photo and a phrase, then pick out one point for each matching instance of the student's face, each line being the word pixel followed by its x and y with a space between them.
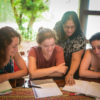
pixel 69 28
pixel 96 47
pixel 13 47
pixel 48 46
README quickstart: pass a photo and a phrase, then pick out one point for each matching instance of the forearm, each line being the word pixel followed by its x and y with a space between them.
pixel 74 67
pixel 42 72
pixel 7 76
pixel 89 74
pixel 20 73
pixel 3 77
pixel 56 74
pixel 75 61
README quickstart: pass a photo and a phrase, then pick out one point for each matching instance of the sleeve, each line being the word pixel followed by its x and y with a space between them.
pixel 59 55
pixel 32 52
pixel 79 44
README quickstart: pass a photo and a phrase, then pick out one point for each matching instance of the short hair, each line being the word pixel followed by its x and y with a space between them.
pixel 45 33
pixel 96 36
pixel 6 35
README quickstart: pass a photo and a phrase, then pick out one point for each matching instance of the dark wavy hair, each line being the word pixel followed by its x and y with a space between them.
pixel 6 35
pixel 45 33
pixel 59 25
pixel 96 36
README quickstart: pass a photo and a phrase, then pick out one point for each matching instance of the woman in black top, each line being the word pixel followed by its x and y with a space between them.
pixel 70 37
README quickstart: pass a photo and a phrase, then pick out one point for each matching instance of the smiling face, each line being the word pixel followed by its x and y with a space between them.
pixel 13 47
pixel 96 47
pixel 48 46
pixel 69 27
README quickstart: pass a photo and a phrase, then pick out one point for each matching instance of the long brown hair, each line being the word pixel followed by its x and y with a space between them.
pixel 6 35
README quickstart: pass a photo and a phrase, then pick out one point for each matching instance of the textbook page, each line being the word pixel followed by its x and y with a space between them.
pixel 48 88
pixel 77 87
pixel 5 88
pixel 84 87
pixel 93 89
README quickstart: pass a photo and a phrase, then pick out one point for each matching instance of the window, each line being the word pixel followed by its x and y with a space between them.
pixel 93 25
pixel 93 22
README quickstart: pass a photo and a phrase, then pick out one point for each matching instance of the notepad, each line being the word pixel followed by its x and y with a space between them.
pixel 5 88
pixel 84 87
pixel 48 88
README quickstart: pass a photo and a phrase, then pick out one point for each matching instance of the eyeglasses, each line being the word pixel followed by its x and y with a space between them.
pixel 69 27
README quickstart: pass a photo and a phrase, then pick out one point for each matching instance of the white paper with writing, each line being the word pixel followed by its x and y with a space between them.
pixel 48 88
pixel 84 87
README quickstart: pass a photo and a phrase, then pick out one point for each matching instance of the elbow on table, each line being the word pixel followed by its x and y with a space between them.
pixel 33 75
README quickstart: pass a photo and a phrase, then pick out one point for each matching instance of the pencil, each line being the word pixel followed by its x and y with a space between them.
pixel 34 86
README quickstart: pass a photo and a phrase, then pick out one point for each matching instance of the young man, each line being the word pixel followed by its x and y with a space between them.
pixel 90 65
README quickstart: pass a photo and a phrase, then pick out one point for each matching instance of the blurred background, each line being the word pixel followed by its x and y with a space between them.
pixel 26 16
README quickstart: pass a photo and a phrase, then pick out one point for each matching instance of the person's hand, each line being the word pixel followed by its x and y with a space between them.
pixel 69 79
pixel 62 68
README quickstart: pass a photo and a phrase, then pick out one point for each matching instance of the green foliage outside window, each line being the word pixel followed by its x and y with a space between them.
pixel 26 12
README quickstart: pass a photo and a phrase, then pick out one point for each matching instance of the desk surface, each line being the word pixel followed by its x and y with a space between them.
pixel 27 94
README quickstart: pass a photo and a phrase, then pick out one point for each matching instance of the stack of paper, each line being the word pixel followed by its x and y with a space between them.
pixel 84 87
pixel 48 88
pixel 5 88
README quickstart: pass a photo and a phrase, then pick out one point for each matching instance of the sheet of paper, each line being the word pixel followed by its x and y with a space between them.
pixel 5 88
pixel 84 87
pixel 6 92
pixel 77 87
pixel 48 88
pixel 93 89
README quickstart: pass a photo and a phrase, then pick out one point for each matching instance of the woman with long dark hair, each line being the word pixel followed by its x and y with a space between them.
pixel 71 38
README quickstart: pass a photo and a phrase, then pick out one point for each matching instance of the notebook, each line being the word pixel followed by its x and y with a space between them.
pixel 48 88
pixel 5 88
pixel 84 87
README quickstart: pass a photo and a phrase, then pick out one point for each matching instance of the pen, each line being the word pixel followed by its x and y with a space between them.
pixel 34 86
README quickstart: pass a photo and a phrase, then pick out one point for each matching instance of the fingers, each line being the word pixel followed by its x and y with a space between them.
pixel 69 80
pixel 63 69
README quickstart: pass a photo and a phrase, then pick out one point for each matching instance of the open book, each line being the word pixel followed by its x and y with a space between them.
pixel 5 88
pixel 84 87
pixel 48 88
